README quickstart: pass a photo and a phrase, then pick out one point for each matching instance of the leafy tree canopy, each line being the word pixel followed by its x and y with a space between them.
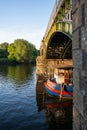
pixel 3 50
pixel 22 51
pixel 4 45
pixel 11 51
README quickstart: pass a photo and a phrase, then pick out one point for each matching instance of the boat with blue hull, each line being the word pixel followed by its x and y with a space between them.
pixel 58 90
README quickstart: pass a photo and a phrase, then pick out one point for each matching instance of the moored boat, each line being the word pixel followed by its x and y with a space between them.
pixel 58 90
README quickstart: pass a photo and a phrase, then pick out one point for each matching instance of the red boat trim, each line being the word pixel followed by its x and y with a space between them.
pixel 57 91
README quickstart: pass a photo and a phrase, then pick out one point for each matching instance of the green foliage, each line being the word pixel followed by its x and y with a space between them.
pixel 3 50
pixel 11 51
pixel 4 45
pixel 33 52
pixel 22 51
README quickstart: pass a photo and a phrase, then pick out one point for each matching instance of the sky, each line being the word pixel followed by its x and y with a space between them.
pixel 24 19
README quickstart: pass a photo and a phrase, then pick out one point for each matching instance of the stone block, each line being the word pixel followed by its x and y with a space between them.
pixel 84 38
pixel 83 123
pixel 76 43
pixel 76 79
pixel 83 83
pixel 75 5
pixel 84 60
pixel 78 101
pixel 77 58
pixel 82 2
pixel 76 119
pixel 85 111
pixel 79 122
pixel 78 18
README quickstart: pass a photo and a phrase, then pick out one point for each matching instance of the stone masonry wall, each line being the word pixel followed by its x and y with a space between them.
pixel 79 49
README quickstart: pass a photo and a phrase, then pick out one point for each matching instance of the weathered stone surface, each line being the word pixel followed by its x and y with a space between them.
pixel 77 19
pixel 78 101
pixel 76 119
pixel 83 123
pixel 80 64
pixel 85 110
pixel 84 38
pixel 75 5
pixel 84 84
pixel 79 122
pixel 84 61
pixel 85 12
pixel 76 43
pixel 77 58
pixel 76 79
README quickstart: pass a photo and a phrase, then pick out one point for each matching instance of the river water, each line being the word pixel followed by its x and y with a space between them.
pixel 23 105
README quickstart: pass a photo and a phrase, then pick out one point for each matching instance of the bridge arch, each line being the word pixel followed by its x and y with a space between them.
pixel 59 46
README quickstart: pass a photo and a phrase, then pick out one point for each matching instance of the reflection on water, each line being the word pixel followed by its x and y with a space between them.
pixel 58 113
pixel 18 72
pixel 18 108
pixel 23 103
pixel 40 96
pixel 18 75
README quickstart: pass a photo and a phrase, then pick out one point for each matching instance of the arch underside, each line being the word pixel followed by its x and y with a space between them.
pixel 59 46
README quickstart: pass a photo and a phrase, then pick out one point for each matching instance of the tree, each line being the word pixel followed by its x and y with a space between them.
pixel 3 50
pixel 11 51
pixel 32 52
pixel 22 51
pixel 4 45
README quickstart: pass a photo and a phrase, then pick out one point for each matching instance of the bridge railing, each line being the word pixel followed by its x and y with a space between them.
pixel 53 15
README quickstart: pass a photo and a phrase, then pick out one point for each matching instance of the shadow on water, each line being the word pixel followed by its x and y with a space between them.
pixel 58 113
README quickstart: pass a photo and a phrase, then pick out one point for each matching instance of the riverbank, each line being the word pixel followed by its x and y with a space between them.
pixel 7 61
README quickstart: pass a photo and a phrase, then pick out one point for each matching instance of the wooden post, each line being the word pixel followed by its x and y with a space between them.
pixel 62 88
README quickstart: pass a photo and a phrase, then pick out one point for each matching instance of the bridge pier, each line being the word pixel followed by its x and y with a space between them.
pixel 79 47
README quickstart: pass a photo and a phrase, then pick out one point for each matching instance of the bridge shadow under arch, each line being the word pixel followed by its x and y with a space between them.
pixel 59 46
